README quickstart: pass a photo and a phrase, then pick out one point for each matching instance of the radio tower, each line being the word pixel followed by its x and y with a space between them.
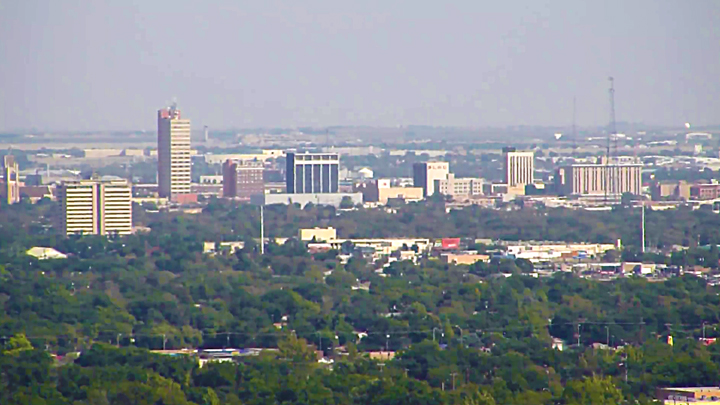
pixel 612 134
pixel 574 127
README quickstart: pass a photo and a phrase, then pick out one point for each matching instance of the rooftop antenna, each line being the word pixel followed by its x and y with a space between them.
pixel 206 134
pixel 613 133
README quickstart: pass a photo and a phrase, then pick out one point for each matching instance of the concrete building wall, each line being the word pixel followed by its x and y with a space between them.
pixel 453 186
pixel 596 179
pixel 518 167
pixel 242 179
pixel 97 207
pixel 319 234
pixel 174 163
pixel 425 174
pixel 312 173
pixel 334 199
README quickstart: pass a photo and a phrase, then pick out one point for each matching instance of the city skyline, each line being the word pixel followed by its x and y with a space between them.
pixel 100 67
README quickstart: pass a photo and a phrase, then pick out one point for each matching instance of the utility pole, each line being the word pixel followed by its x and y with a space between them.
pixel 262 230
pixel 578 341
pixel 453 380
pixel 607 340
pixel 643 226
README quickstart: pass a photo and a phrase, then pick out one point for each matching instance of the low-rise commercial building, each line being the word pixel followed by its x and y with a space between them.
pixel 459 187
pixel 549 251
pixel 383 190
pixel 333 199
pixel 463 258
pixel 385 246
pixel 684 395
pixel 318 234
pixel 675 190
pixel 705 191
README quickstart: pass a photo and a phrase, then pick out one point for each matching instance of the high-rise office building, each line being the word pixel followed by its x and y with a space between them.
pixel 518 168
pixel 12 182
pixel 425 174
pixel 594 179
pixel 174 163
pixel 312 173
pixel 243 179
pixel 97 207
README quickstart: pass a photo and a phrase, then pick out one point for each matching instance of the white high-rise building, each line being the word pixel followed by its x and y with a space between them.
pixel 174 162
pixel 97 207
pixel 518 167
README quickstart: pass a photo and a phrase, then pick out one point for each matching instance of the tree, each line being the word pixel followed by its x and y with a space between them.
pixel 16 344
pixel 346 203
pixel 592 391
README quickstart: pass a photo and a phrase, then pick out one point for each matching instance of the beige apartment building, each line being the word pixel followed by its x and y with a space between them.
pixel 97 207
pixel 599 179
pixel 459 187
pixel 518 169
pixel 173 153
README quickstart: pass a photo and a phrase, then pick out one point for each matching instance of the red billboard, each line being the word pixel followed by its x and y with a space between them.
pixel 450 243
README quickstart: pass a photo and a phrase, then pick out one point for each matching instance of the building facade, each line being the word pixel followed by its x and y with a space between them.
pixel 12 182
pixel 312 173
pixel 425 174
pixel 599 179
pixel 704 191
pixel 677 190
pixel 518 168
pixel 97 207
pixel 383 190
pixel 242 179
pixel 317 234
pixel 459 187
pixel 174 163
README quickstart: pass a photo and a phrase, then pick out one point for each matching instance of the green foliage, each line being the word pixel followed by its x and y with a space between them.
pixel 115 298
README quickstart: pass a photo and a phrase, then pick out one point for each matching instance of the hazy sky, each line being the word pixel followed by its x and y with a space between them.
pixel 110 64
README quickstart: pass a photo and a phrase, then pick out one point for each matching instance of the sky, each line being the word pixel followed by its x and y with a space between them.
pixel 72 65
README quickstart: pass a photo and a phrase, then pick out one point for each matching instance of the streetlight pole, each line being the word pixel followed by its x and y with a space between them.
pixel 387 342
pixel 578 342
pixel 703 332
pixel 262 229
pixel 461 334
pixel 434 329
pixel 607 330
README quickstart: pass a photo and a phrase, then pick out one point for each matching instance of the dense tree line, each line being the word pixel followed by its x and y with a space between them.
pixel 462 335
